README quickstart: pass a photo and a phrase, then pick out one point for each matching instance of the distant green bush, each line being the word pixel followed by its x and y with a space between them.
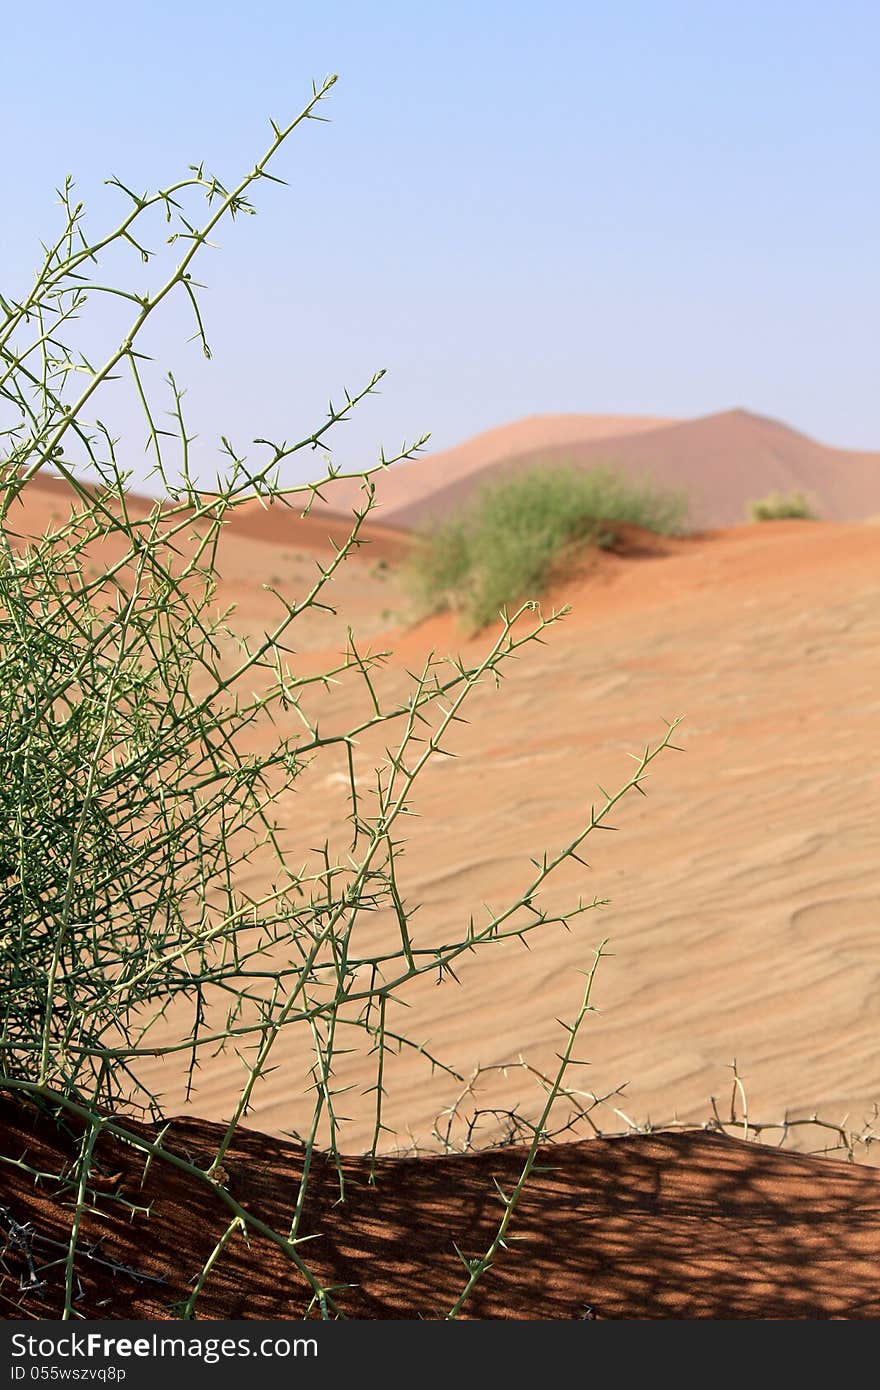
pixel 515 533
pixel 781 506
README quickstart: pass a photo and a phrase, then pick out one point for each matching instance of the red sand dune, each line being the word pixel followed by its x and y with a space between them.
pixel 48 500
pixel 318 531
pixel 405 485
pixel 688 1225
pixel 743 922
pixel 744 892
pixel 724 461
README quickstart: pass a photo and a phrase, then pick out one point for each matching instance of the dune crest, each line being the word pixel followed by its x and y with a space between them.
pixel 690 1225
pixel 724 461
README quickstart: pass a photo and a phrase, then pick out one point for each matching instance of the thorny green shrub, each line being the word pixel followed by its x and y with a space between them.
pixel 129 807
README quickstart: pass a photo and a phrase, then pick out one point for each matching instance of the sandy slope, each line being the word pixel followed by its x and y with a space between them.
pixel 405 485
pixel 744 916
pixel 723 461
pixel 745 891
pixel 665 1226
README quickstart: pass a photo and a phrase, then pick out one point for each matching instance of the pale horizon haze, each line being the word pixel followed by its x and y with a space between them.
pixel 662 210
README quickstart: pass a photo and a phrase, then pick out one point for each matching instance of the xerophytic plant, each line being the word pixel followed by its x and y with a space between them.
pixel 132 802
pixel 513 534
pixel 782 506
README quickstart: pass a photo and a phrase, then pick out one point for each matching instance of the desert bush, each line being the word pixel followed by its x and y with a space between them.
pixel 782 506
pixel 132 802
pixel 505 546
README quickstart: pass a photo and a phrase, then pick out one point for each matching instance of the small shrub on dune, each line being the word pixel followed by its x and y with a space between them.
pixel 781 506
pixel 517 532
pixel 153 903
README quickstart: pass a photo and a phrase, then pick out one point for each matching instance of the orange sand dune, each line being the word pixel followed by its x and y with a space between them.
pixel 48 499
pixel 745 892
pixel 665 1226
pixel 743 923
pixel 406 484
pixel 723 461
pixel 277 524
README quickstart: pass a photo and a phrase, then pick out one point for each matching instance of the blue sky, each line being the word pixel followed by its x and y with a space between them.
pixel 661 208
